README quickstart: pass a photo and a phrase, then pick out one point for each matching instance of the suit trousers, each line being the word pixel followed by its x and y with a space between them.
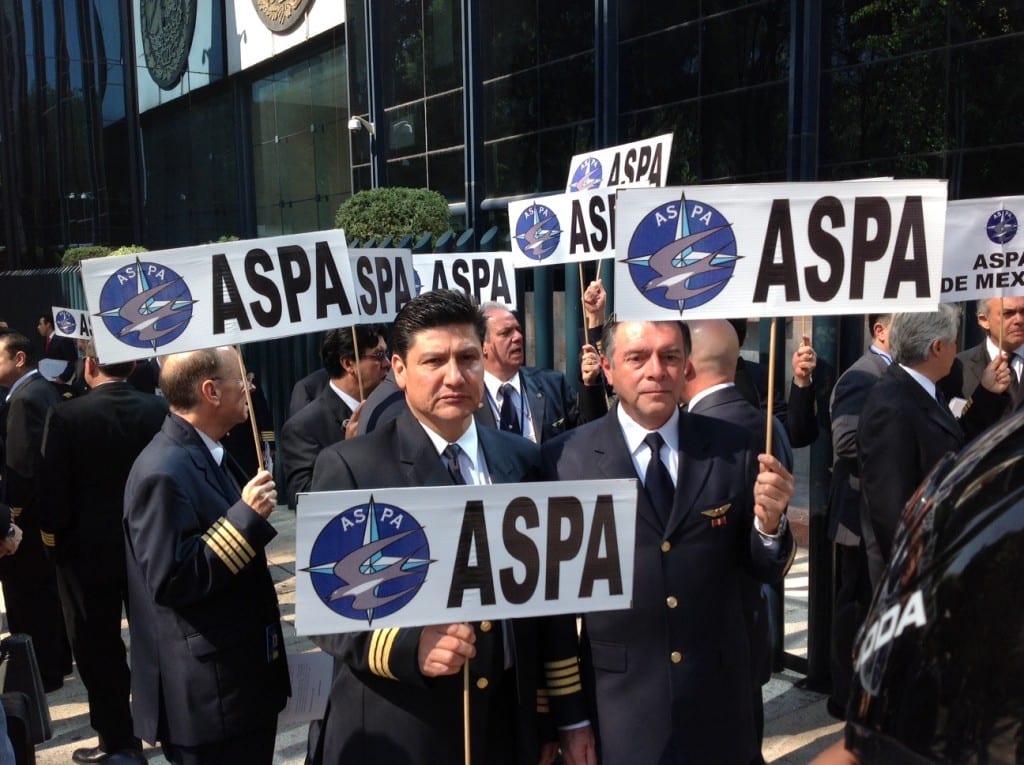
pixel 256 747
pixel 92 613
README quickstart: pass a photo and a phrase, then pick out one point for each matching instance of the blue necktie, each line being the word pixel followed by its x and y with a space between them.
pixel 507 418
pixel 657 481
pixel 451 462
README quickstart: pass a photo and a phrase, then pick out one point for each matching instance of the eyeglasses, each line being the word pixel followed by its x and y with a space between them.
pixel 379 356
pixel 236 380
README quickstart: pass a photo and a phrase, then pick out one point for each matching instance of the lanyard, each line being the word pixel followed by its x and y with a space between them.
pixel 522 407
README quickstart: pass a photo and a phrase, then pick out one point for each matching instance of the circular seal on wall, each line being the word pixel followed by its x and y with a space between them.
pixel 167 30
pixel 281 15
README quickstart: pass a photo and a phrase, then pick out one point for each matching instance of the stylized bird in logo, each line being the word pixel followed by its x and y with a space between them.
pixel 144 310
pixel 675 266
pixel 366 568
pixel 589 179
pixel 538 240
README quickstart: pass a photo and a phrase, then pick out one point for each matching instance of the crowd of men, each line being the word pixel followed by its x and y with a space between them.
pixel 123 501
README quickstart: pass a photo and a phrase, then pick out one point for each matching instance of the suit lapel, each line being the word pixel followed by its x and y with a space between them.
pixel 613 460
pixel 499 464
pixel 693 470
pixel 536 400
pixel 338 408
pixel 933 409
pixel 419 461
pixel 182 432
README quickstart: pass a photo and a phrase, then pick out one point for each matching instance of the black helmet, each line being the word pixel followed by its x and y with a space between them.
pixel 939 664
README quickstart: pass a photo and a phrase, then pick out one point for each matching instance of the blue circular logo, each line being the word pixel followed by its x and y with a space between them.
pixel 587 176
pixel 682 261
pixel 145 305
pixel 1001 227
pixel 537 232
pixel 369 561
pixel 65 320
pixel 417 282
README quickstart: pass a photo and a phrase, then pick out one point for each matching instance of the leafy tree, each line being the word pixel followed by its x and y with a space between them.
pixel 75 255
pixel 396 212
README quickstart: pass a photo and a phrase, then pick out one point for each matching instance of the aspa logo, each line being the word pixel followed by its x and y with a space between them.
pixel 65 322
pixel 537 232
pixel 369 561
pixel 145 305
pixel 588 175
pixel 1001 227
pixel 682 254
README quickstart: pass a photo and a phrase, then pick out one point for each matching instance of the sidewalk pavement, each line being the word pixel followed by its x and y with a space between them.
pixel 796 724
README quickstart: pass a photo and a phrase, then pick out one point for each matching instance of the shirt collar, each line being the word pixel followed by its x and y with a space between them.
pixel 879 352
pixel 921 380
pixel 350 402
pixel 468 442
pixel 215 447
pixel 707 392
pixel 635 433
pixel 494 384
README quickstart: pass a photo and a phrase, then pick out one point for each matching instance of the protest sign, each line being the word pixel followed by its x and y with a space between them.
pixel 384 282
pixel 434 555
pixel 788 249
pixel 562 228
pixel 984 252
pixel 640 163
pixel 71 322
pixel 170 301
pixel 487 277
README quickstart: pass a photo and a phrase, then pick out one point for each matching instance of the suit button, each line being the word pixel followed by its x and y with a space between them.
pixel 671 601
pixel 482 683
pixel 676 657
pixel 666 546
pixel 485 626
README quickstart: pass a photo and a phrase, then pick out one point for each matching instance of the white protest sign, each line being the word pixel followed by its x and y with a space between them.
pixel 785 249
pixel 487 277
pixel 170 301
pixel 984 255
pixel 71 322
pixel 384 282
pixel 562 228
pixel 640 163
pixel 433 555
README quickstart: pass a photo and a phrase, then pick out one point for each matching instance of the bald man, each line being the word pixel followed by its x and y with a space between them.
pixel 711 390
pixel 207 655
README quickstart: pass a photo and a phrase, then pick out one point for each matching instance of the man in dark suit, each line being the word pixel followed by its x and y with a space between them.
pixel 89 447
pixel 322 422
pixel 29 579
pixel 671 676
pixel 853 584
pixel 57 347
pixel 208 670
pixel 710 390
pixel 1002 321
pixel 397 693
pixel 529 401
pixel 906 424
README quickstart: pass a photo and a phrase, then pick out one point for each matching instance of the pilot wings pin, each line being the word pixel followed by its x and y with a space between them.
pixel 717 515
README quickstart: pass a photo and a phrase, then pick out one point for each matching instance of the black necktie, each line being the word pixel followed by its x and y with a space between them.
pixel 507 418
pixel 451 462
pixel 225 468
pixel 657 481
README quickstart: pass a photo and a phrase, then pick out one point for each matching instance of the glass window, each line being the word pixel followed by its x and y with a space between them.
pixel 445 120
pixel 402 56
pixel 565 27
pixel 746 47
pixel 743 135
pixel 508 30
pixel 985 92
pixel 447 173
pixel 660 68
pixel 405 126
pixel 442 22
pixel 411 172
pixel 641 17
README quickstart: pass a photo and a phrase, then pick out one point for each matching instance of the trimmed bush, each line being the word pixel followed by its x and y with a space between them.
pixel 75 255
pixel 395 212
pixel 128 249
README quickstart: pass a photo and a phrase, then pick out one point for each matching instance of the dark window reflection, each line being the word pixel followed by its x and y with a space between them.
pixel 743 135
pixel 565 27
pixel 512 166
pixel 745 47
pixel 445 120
pixel 660 68
pixel 442 22
pixel 406 130
pixel 410 172
pixel 447 173
pixel 641 17
pixel 402 55
pixel 986 97
pixel 508 30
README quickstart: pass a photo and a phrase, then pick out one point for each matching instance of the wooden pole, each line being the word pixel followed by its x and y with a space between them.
pixel 359 369
pixel 1000 324
pixel 465 713
pixel 771 387
pixel 583 302
pixel 252 415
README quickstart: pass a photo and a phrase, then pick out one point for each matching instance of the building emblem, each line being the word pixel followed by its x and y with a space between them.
pixel 167 30
pixel 281 15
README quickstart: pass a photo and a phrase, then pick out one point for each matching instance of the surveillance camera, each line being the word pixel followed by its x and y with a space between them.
pixel 354 125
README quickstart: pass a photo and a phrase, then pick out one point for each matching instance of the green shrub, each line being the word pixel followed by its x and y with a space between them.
pixel 379 213
pixel 75 255
pixel 128 249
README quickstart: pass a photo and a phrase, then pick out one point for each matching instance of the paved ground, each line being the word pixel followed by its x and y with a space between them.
pixel 796 724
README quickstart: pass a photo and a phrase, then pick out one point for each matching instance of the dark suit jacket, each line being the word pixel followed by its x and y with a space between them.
pixel 845 405
pixel 551 399
pixel 207 653
pixel 22 421
pixel 414 720
pixel 65 349
pixel 307 389
pixel 902 433
pixel 384 404
pixel 797 414
pixel 312 429
pixel 90 445
pixel 672 676
pixel 964 380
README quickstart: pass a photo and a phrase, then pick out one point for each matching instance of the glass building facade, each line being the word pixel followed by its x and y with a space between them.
pixel 484 102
